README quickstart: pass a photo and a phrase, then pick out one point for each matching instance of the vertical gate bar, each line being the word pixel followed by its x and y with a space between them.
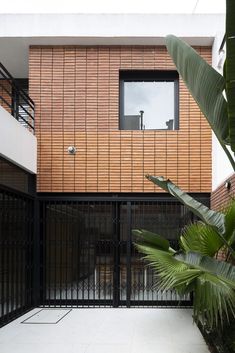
pixel 55 249
pixel 95 225
pixel 48 251
pixel 30 234
pixel 61 231
pixel 24 254
pixel 103 268
pixel 66 252
pixel 44 247
pixel 82 242
pixel 116 253
pixel 72 244
pixel 98 264
pixel 128 259
pixel 48 220
pixel 12 275
pixel 36 255
pixel 2 249
pixel 14 216
pixel 10 242
pixel 88 241
pixel 21 256
pixel 4 244
pixel 78 254
pixel 13 266
pixel 9 221
pixel 118 205
pixel 17 244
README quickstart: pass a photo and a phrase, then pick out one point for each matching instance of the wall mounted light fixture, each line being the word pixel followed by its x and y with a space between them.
pixel 227 184
pixel 72 150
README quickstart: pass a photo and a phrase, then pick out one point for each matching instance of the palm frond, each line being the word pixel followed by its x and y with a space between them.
pixel 201 238
pixel 230 223
pixel 170 272
pixel 214 299
pixel 149 238
pixel 223 270
pixel 212 281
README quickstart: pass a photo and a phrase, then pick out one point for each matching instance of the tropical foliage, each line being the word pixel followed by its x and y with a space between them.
pixel 229 69
pixel 194 267
pixel 223 224
pixel 213 92
pixel 207 87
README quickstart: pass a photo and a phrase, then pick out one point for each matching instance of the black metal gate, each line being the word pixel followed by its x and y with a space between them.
pixel 88 255
pixel 16 253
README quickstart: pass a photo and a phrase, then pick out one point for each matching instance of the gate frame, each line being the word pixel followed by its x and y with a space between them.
pixel 128 198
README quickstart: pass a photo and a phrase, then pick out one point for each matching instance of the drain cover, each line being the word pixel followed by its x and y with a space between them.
pixel 47 316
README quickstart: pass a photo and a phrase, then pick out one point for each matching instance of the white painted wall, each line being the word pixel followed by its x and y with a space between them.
pixel 19 31
pixel 17 144
pixel 221 167
pixel 108 25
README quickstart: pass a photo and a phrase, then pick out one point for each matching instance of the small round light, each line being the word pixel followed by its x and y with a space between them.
pixel 72 150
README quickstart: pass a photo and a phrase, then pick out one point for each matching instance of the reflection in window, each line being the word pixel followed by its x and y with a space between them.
pixel 148 104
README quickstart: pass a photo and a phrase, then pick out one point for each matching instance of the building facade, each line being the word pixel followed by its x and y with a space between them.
pixel 109 108
pixel 77 93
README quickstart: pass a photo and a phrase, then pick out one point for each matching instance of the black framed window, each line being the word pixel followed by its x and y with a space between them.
pixel 149 100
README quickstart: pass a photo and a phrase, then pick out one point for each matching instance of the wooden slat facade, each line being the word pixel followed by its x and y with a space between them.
pixel 76 92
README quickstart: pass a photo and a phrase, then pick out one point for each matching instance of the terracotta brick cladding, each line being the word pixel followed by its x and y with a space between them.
pixel 5 93
pixel 222 196
pixel 76 92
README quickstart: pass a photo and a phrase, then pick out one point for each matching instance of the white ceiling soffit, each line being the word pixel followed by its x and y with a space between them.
pixel 18 32
pixel 111 6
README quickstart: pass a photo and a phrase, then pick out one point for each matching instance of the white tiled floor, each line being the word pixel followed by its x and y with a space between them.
pixel 107 331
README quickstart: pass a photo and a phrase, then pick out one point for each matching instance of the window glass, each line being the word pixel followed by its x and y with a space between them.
pixel 150 104
pixel 149 100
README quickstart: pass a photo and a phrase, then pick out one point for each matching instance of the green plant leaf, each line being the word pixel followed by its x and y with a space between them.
pixel 206 86
pixel 214 299
pixel 170 273
pixel 230 223
pixel 212 281
pixel 223 270
pixel 210 217
pixel 149 238
pixel 230 68
pixel 199 237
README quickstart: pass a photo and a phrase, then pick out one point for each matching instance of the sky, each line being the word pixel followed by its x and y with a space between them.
pixel 113 6
pixel 156 99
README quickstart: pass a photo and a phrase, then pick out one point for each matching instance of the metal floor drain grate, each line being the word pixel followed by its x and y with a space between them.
pixel 47 316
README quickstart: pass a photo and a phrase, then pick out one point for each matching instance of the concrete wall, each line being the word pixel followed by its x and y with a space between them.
pixel 17 144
